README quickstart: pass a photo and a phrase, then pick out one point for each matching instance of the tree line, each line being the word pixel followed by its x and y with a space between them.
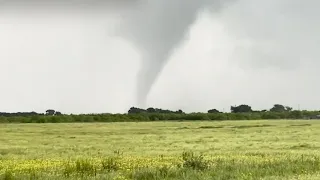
pixel 49 112
pixel 241 112
pixel 243 108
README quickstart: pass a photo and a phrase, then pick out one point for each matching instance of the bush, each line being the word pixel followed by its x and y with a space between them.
pixel 195 162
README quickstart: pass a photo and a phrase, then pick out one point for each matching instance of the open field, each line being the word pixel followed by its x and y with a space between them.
pixel 161 150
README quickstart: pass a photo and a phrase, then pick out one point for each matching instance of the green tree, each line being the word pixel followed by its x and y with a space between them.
pixel 134 110
pixel 213 111
pixel 50 112
pixel 151 110
pixel 280 108
pixel 241 109
pixel 57 113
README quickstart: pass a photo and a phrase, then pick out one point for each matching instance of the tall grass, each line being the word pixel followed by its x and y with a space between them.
pixel 191 165
pixel 244 150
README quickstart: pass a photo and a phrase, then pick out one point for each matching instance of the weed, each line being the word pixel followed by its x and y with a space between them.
pixel 110 164
pixel 8 175
pixel 84 166
pixel 193 161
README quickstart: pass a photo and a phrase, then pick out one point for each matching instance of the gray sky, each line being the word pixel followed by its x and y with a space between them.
pixel 249 52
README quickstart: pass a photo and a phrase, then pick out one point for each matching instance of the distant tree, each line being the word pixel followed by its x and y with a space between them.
pixel 151 110
pixel 180 111
pixel 296 114
pixel 50 112
pixel 134 110
pixel 213 111
pixel 57 113
pixel 24 114
pixel 288 108
pixel 241 109
pixel 163 111
pixel 280 108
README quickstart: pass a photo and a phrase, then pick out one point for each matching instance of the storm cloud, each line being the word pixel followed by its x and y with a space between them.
pixel 196 54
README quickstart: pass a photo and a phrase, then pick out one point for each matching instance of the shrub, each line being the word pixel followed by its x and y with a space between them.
pixel 193 161
pixel 110 164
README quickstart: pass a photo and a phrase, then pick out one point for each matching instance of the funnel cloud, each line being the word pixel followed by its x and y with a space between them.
pixel 157 28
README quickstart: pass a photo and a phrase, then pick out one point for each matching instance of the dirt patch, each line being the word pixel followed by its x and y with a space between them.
pixel 299 125
pixel 210 127
pixel 252 126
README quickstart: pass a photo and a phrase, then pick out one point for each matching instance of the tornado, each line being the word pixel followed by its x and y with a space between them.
pixel 157 28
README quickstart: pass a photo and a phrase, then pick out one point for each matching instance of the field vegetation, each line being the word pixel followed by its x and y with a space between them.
pixel 241 112
pixel 257 149
pixel 147 117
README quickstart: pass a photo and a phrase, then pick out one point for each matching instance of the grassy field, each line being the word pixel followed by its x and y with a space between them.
pixel 162 150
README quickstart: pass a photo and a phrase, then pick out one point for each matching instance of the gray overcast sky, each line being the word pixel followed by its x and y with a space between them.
pixel 250 52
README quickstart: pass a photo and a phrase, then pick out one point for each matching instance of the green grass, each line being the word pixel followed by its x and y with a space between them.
pixel 158 150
